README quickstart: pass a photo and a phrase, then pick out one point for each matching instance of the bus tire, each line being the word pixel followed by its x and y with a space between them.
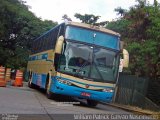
pixel 48 92
pixel 92 103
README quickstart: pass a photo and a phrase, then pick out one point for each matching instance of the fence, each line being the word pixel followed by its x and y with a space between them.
pixel 132 91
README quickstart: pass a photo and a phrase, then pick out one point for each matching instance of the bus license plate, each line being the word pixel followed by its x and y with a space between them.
pixel 85 94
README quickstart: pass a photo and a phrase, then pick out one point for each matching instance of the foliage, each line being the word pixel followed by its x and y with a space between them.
pixel 120 11
pixel 140 29
pixel 120 26
pixel 18 28
pixel 90 19
pixel 65 17
pixel 87 18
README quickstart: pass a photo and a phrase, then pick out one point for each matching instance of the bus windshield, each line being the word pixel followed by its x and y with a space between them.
pixel 89 62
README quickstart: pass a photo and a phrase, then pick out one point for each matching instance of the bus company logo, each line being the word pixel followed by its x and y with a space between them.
pixel 87 86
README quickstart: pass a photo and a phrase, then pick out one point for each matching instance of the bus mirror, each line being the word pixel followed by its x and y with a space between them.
pixel 125 58
pixel 59 45
pixel 121 45
pixel 121 65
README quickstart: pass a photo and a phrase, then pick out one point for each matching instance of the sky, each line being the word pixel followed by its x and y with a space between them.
pixel 55 9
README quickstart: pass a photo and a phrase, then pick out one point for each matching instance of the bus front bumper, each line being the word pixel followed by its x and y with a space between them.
pixel 64 89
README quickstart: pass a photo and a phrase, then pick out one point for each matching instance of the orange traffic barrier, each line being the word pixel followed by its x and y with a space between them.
pixel 8 74
pixel 2 77
pixel 19 79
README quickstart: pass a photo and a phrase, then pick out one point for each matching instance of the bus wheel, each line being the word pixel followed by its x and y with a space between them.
pixel 92 103
pixel 48 92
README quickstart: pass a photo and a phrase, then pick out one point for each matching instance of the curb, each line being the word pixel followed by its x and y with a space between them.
pixel 129 109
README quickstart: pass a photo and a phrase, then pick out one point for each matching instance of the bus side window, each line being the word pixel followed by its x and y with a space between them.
pixel 41 44
pixel 54 37
pixel 49 44
pixel 44 42
pixel 37 46
pixel 33 48
pixel 51 40
pixel 61 31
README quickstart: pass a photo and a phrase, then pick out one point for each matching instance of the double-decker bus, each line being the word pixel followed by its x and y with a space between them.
pixel 77 59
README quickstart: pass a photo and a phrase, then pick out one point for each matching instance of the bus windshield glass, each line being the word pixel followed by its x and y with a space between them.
pixel 89 62
pixel 92 37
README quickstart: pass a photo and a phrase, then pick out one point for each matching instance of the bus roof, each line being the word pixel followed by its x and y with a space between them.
pixel 102 29
pixel 45 33
pixel 83 25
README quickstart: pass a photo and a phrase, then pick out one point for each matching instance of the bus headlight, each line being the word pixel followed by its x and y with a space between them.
pixel 108 90
pixel 68 83
pixel 64 81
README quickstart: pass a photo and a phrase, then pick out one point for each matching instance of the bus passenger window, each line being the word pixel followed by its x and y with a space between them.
pixel 49 44
pixel 43 43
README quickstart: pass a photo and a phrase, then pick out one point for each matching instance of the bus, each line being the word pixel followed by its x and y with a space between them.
pixel 77 60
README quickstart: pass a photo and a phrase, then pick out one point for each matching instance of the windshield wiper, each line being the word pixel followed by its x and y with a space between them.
pixel 99 72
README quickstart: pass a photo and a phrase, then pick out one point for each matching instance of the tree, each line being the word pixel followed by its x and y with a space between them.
pixel 120 11
pixel 87 18
pixel 90 19
pixel 140 28
pixel 65 17
pixel 18 28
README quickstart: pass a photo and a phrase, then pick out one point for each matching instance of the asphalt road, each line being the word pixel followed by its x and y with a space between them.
pixel 23 103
